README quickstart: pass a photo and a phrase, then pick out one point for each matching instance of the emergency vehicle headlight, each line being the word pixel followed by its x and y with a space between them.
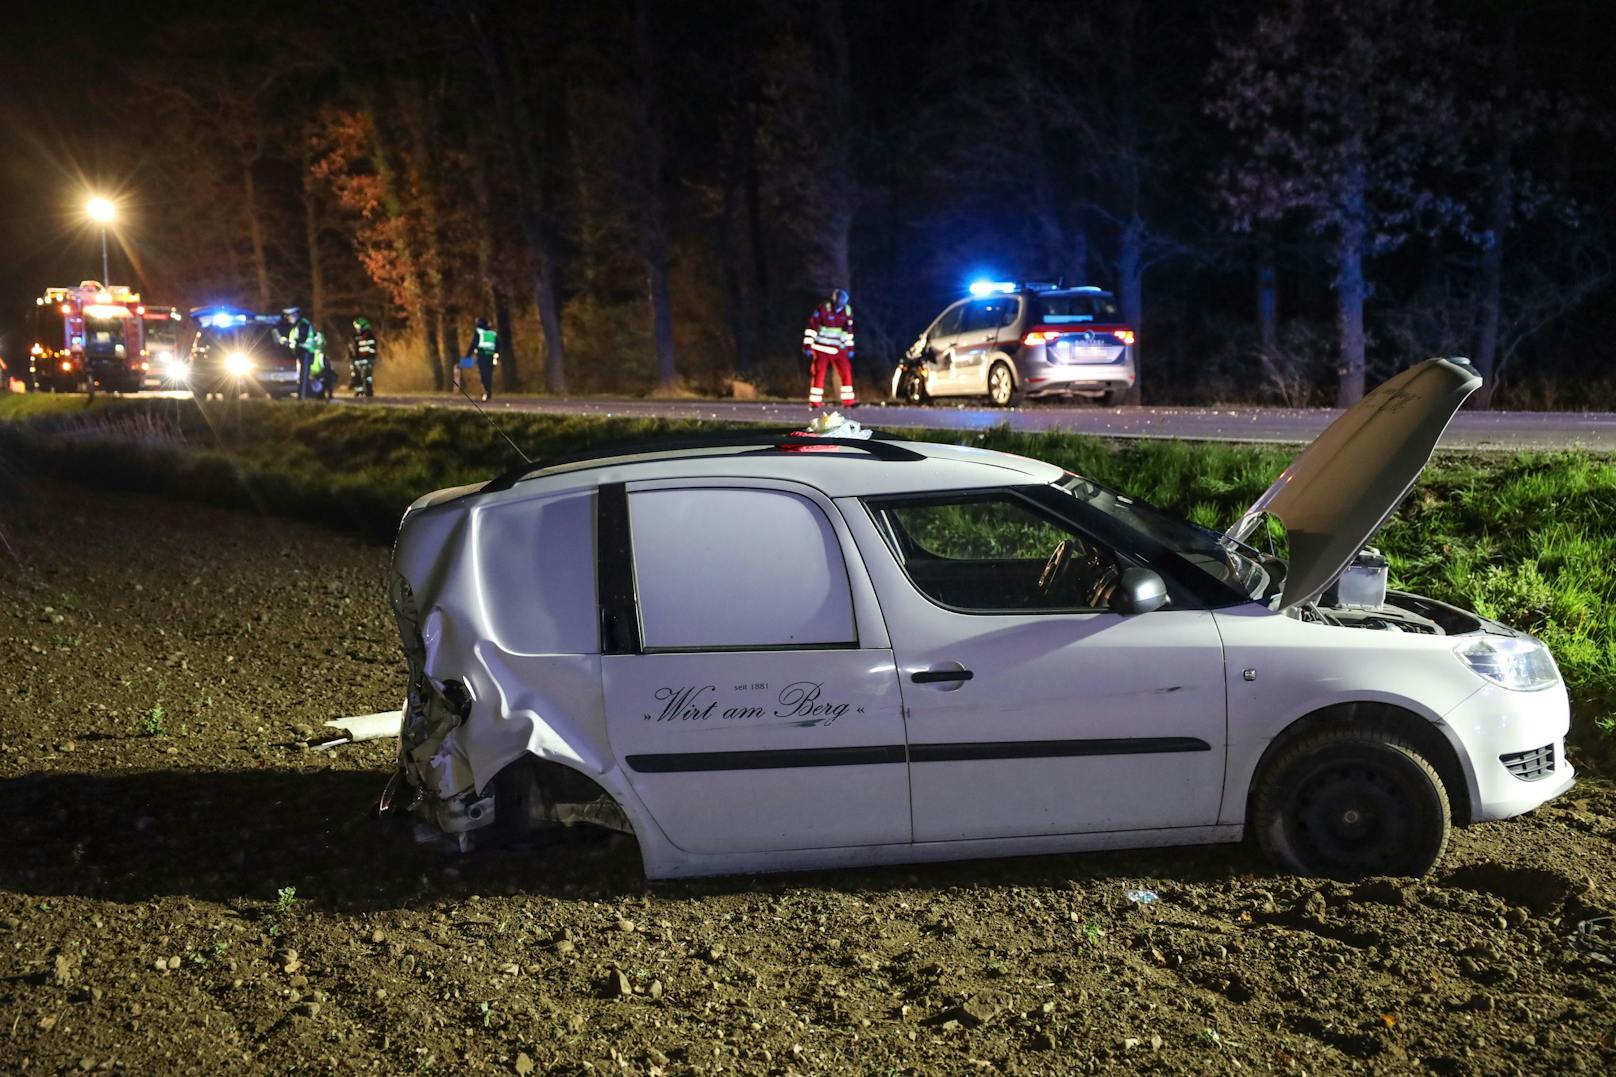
pixel 238 364
pixel 66 366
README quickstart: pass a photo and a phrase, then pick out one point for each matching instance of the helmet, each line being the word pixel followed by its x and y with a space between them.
pixel 361 324
pixel 838 299
pixel 292 312
pixel 482 323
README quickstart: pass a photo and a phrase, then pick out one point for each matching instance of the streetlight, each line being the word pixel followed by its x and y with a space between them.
pixel 102 212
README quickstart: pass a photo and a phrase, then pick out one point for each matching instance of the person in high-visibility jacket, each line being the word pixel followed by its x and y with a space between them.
pixel 297 333
pixel 829 339
pixel 486 348
pixel 319 369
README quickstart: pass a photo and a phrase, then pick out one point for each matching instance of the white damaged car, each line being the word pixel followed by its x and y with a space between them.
pixel 767 652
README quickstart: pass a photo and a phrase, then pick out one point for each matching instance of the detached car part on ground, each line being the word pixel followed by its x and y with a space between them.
pixel 773 653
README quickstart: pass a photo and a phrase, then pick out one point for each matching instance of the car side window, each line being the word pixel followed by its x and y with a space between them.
pixel 994 552
pixel 949 323
pixel 984 314
pixel 736 568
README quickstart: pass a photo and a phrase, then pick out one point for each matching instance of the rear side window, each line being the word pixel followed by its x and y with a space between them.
pixel 722 569
pixel 1077 308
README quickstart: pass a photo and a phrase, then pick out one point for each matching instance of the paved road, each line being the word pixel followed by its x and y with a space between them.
pixel 1494 430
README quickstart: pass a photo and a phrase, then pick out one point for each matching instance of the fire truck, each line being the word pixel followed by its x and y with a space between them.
pixel 162 363
pixel 87 338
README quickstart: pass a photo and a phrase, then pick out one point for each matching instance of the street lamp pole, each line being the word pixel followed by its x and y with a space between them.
pixel 102 212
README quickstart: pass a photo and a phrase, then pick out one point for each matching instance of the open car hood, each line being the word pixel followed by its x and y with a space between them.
pixel 1341 489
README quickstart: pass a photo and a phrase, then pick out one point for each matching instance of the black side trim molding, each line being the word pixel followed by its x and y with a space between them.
pixel 683 762
pixel 1053 749
pixel 876 754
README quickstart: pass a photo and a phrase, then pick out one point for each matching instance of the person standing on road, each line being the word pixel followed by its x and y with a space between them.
pixel 297 333
pixel 829 339
pixel 486 348
pixel 362 358
pixel 319 367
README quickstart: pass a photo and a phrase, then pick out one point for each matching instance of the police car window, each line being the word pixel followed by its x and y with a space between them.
pixel 948 324
pixel 1075 309
pixel 987 314
pixel 995 553
pixel 731 568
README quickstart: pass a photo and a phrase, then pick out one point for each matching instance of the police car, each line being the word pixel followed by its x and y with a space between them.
pixel 1010 342
pixel 773 651
pixel 236 353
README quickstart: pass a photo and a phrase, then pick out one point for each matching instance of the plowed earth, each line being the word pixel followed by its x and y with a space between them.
pixel 184 887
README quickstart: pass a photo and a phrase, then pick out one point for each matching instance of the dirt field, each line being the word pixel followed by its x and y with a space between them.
pixel 183 888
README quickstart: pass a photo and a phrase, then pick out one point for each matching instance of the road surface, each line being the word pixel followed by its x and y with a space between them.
pixel 1492 430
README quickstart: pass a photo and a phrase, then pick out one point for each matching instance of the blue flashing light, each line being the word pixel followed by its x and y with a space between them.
pixel 981 288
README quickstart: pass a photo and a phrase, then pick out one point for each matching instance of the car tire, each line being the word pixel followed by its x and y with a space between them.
pixel 1352 802
pixel 1002 390
pixel 914 391
pixel 1112 398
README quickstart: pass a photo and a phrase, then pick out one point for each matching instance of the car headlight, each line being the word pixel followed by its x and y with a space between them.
pixel 238 364
pixel 1512 662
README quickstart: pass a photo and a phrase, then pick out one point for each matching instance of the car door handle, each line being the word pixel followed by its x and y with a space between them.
pixel 940 676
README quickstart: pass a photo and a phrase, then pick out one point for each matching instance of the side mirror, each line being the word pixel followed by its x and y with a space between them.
pixel 1139 590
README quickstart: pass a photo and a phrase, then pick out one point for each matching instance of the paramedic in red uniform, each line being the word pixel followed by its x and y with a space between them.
pixel 829 339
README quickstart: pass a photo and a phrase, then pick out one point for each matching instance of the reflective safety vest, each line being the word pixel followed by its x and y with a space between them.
pixel 829 331
pixel 365 344
pixel 487 342
pixel 317 347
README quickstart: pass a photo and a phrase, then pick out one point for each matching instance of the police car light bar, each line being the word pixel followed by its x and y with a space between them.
pixel 981 288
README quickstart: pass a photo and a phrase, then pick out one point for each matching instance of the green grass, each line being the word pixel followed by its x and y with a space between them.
pixel 1524 538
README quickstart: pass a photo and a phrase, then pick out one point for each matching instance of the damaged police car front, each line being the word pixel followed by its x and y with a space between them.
pixel 773 652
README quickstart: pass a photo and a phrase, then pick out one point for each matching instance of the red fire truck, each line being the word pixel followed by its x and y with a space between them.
pixel 162 363
pixel 87 338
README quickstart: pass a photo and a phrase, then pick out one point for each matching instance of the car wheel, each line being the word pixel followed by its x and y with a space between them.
pixel 914 390
pixel 1348 803
pixel 1002 386
pixel 1113 397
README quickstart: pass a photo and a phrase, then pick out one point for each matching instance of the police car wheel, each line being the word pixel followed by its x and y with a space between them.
pixel 1002 386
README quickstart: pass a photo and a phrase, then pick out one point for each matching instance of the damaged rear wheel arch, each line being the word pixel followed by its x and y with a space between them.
pixel 539 800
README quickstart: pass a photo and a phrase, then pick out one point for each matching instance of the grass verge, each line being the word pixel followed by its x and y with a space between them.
pixel 1521 538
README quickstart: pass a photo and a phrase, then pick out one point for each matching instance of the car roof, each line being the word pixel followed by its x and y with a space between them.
pixel 836 470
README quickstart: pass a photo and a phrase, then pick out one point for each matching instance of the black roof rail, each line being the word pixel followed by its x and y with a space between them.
pixel 878 446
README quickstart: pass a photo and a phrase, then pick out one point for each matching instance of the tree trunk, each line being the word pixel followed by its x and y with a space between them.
pixel 311 238
pixel 255 232
pixel 509 116
pixel 1500 194
pixel 756 247
pixel 1350 292
pixel 490 267
pixel 837 162
pixel 653 229
pixel 1267 302
pixel 509 378
pixel 418 312
pixel 1131 291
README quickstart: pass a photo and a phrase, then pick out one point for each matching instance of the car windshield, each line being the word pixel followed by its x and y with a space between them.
pixel 1199 546
pixel 1076 308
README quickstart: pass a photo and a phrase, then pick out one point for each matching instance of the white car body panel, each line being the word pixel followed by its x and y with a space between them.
pixel 499 593
pixel 1062 679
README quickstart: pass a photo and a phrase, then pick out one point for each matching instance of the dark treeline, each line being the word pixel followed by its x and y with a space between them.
pixel 1290 197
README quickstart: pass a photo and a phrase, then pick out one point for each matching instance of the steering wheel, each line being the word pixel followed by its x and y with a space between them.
pixel 1104 589
pixel 1056 569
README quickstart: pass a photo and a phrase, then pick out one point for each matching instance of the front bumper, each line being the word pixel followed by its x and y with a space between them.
pixel 1513 745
